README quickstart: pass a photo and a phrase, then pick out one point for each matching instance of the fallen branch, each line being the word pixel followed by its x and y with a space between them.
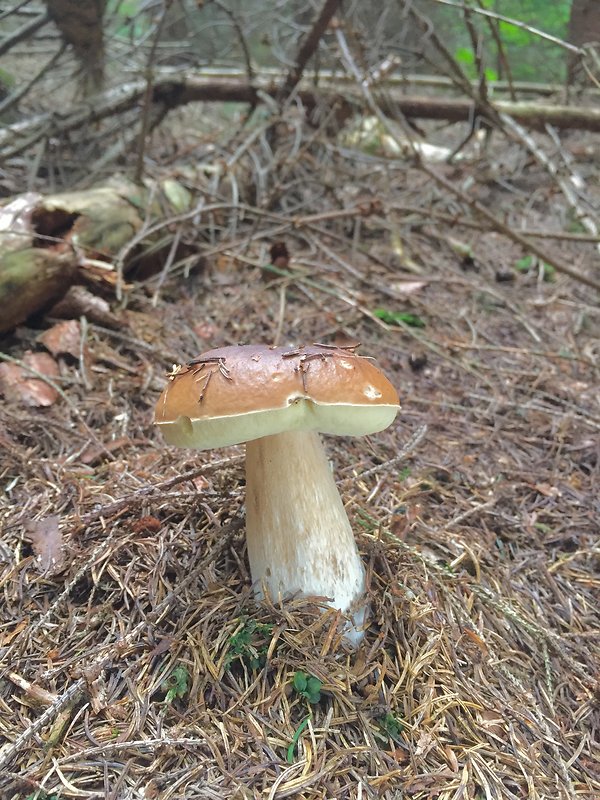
pixel 173 92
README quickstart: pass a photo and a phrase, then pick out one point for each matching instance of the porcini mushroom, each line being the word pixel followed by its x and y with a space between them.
pixel 277 400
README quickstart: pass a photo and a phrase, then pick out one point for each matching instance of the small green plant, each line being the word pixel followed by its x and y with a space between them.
pixel 528 263
pixel 177 684
pixel 390 726
pixel 244 645
pixel 307 686
pixel 294 743
pixel 394 317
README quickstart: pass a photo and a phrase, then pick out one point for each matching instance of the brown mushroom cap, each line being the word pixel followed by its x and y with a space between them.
pixel 244 392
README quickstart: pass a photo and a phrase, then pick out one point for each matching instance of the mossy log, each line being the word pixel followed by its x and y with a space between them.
pixel 49 243
pixel 32 279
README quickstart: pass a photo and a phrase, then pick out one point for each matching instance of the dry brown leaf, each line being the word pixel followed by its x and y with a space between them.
pixel 94 454
pixel 64 337
pixel 7 638
pixel 47 544
pixel 492 721
pixel 20 385
pixel 147 524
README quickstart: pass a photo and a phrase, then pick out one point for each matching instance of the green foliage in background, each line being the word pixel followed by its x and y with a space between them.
pixel 530 58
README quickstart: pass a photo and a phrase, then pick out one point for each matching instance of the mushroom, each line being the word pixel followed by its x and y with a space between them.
pixel 277 400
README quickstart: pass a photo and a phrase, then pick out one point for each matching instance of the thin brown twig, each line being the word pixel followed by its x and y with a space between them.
pixel 24 32
pixel 307 48
pixel 147 101
pixel 504 62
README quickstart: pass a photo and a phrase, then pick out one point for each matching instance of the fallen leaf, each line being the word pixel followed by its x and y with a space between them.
pixel 399 755
pixel 64 337
pixel 19 384
pixel 94 454
pixel 492 721
pixel 201 483
pixel 46 541
pixel 7 638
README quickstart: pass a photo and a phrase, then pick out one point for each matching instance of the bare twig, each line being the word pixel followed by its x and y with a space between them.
pixel 12 99
pixel 24 32
pixel 147 102
pixel 307 48
pixel 499 225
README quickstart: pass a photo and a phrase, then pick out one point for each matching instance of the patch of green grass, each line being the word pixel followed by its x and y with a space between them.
pixel 366 521
pixel 404 474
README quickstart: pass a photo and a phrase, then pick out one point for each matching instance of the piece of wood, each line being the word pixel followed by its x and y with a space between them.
pixel 32 279
pixel 49 243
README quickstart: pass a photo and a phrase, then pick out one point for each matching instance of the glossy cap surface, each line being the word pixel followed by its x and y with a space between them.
pixel 243 392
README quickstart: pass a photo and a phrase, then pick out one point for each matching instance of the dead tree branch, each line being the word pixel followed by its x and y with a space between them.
pixel 24 32
pixel 307 48
pixel 169 93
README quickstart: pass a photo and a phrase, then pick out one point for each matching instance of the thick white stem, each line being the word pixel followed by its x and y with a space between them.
pixel 298 533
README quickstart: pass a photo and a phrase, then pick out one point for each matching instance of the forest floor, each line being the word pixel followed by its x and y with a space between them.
pixel 137 663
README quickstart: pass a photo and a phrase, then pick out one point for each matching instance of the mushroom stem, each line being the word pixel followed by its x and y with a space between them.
pixel 298 533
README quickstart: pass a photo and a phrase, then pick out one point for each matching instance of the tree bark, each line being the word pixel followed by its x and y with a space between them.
pixel 584 28
pixel 81 26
